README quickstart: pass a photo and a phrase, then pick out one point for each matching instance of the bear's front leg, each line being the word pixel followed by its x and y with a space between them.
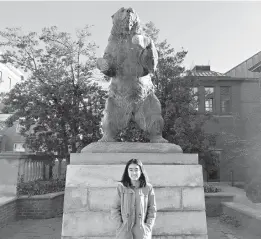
pixel 149 58
pixel 107 64
pixel 149 55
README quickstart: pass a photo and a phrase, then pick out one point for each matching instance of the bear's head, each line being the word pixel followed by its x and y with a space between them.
pixel 125 21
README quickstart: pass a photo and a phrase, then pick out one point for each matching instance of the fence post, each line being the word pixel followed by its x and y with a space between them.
pixel 43 170
pixel 59 168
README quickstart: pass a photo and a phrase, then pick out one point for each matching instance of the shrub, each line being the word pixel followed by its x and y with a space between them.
pixel 240 185
pixel 253 189
pixel 40 187
pixel 224 218
pixel 211 188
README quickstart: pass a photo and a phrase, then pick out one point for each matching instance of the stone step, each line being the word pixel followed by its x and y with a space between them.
pixel 121 158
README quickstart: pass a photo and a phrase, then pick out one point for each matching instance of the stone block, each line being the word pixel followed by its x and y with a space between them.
pixel 75 199
pixel 123 158
pixel 196 237
pixel 80 224
pixel 181 237
pixel 88 237
pixel 9 168
pixel 131 147
pixel 180 223
pixel 101 198
pixel 168 198
pixel 108 175
pixel 193 198
pixel 167 237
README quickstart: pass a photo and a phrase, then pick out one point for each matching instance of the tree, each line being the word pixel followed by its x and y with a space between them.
pixel 58 106
pixel 244 151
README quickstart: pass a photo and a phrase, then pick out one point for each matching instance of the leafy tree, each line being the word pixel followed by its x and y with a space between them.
pixel 245 152
pixel 58 106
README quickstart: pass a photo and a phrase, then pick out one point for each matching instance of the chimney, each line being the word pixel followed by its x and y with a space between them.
pixel 201 68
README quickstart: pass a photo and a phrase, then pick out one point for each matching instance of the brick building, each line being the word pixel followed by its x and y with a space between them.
pixel 231 98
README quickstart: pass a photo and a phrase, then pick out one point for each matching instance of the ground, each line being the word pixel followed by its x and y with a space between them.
pixel 51 229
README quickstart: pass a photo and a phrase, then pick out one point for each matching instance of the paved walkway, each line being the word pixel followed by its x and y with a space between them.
pixel 240 195
pixel 51 229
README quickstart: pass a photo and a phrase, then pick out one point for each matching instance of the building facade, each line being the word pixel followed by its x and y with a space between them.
pixel 230 98
pixel 10 137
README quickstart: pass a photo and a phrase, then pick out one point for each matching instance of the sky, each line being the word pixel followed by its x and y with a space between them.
pixel 221 34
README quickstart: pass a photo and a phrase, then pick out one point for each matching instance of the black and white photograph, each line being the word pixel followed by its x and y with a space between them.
pixel 130 119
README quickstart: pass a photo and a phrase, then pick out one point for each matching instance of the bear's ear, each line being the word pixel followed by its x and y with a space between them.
pixel 121 9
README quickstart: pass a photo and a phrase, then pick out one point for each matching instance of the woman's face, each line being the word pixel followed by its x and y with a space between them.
pixel 134 172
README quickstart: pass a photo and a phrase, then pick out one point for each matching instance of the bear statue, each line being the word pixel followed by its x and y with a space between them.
pixel 129 60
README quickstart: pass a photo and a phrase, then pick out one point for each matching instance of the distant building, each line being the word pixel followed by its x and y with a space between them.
pixel 9 76
pixel 229 97
pixel 10 137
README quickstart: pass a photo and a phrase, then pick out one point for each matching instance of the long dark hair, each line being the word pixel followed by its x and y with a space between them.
pixel 126 181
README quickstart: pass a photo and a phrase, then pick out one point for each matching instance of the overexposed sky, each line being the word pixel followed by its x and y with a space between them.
pixel 219 33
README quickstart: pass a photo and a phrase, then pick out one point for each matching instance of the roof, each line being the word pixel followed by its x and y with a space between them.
pixel 205 71
pixel 243 62
pixel 248 69
pixel 256 67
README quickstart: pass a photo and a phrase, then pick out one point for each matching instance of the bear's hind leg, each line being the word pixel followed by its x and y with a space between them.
pixel 149 118
pixel 116 117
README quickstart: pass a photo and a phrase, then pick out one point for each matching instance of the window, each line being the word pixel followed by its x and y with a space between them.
pixel 209 99
pixel 19 147
pixel 225 99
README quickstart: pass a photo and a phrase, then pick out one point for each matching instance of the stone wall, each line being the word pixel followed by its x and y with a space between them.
pixel 35 207
pixel 40 206
pixel 9 168
pixel 214 202
pixel 7 211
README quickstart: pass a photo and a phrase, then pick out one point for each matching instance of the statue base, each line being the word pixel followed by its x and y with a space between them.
pixel 91 181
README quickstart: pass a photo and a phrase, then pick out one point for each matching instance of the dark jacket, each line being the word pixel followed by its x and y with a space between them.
pixel 123 210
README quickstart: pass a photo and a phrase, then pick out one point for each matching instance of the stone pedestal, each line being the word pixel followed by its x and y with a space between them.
pixel 9 172
pixel 91 185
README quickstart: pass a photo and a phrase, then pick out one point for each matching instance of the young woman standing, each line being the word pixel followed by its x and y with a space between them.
pixel 134 208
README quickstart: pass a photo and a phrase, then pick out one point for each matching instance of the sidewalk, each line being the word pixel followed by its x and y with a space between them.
pixel 240 195
pixel 30 229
